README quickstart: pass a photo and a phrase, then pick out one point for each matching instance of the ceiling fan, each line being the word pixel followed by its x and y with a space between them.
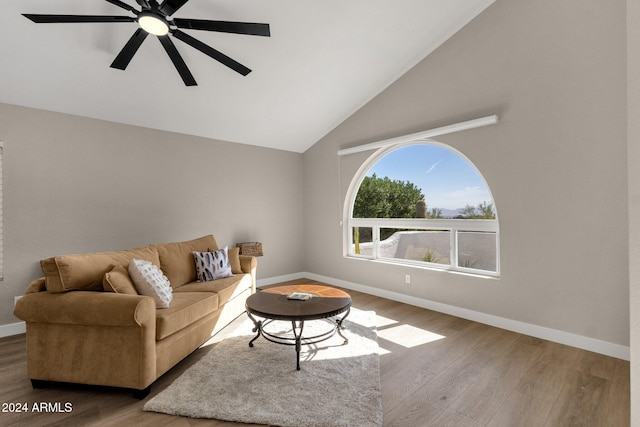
pixel 155 19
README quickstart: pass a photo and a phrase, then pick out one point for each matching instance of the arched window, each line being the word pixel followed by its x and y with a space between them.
pixel 424 204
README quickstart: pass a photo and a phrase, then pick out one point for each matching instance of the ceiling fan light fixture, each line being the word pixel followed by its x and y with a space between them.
pixel 153 24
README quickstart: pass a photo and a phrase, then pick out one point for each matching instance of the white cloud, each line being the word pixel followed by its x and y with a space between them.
pixel 433 166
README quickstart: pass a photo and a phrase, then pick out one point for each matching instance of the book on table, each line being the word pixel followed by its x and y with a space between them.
pixel 299 296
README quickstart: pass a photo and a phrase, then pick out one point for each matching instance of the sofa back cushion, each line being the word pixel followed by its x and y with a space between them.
pixel 86 271
pixel 176 259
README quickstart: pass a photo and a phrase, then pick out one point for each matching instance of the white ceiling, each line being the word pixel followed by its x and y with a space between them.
pixel 324 60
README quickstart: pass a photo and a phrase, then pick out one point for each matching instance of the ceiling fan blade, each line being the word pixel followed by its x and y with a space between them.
pixel 144 4
pixel 123 5
pixel 169 7
pixel 177 60
pixel 129 49
pixel 250 28
pixel 215 54
pixel 51 19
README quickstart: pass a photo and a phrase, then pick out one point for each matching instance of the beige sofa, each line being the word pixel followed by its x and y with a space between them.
pixel 79 333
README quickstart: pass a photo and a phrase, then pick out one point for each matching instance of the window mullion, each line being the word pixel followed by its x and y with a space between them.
pixel 454 248
pixel 375 239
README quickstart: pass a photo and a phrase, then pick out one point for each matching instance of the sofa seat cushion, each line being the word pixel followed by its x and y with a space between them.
pixel 176 259
pixel 86 271
pixel 226 288
pixel 185 309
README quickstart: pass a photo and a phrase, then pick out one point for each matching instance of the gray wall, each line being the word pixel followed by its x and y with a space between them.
pixel 633 147
pixel 556 164
pixel 74 185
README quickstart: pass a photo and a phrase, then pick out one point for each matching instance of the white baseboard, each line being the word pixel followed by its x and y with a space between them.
pixel 562 337
pixel 12 329
pixel 280 279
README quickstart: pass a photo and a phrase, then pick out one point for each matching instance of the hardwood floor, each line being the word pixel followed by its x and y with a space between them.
pixel 436 370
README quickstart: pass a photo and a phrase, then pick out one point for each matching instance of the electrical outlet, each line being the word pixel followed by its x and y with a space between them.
pixel 15 300
pixel 407 279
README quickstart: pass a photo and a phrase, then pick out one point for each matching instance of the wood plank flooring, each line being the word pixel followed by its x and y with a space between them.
pixel 436 370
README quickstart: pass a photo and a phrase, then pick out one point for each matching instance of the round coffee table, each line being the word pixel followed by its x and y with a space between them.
pixel 317 302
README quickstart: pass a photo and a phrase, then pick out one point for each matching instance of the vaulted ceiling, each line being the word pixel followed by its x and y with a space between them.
pixel 323 61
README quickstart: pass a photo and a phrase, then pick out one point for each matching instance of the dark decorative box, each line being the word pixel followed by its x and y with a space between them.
pixel 250 248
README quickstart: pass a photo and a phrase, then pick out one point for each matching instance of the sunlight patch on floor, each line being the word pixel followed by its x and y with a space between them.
pixel 382 351
pixel 382 321
pixel 408 336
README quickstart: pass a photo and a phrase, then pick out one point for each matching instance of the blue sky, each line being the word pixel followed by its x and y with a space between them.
pixel 447 180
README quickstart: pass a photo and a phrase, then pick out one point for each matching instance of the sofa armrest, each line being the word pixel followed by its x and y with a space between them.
pixel 70 334
pixel 249 264
pixel 87 308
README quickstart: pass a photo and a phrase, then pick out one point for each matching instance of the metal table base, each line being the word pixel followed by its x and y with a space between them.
pixel 297 329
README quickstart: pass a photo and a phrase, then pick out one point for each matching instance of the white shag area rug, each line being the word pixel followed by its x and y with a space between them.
pixel 338 384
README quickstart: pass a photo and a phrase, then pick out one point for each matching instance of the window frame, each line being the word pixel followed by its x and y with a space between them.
pixel 455 226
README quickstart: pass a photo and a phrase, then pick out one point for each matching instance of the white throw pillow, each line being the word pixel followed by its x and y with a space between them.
pixel 150 281
pixel 212 265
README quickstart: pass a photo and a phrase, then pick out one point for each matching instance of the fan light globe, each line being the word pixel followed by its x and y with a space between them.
pixel 153 25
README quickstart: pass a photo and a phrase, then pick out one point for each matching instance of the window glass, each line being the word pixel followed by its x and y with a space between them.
pixel 362 238
pixel 448 184
pixel 433 246
pixel 477 250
